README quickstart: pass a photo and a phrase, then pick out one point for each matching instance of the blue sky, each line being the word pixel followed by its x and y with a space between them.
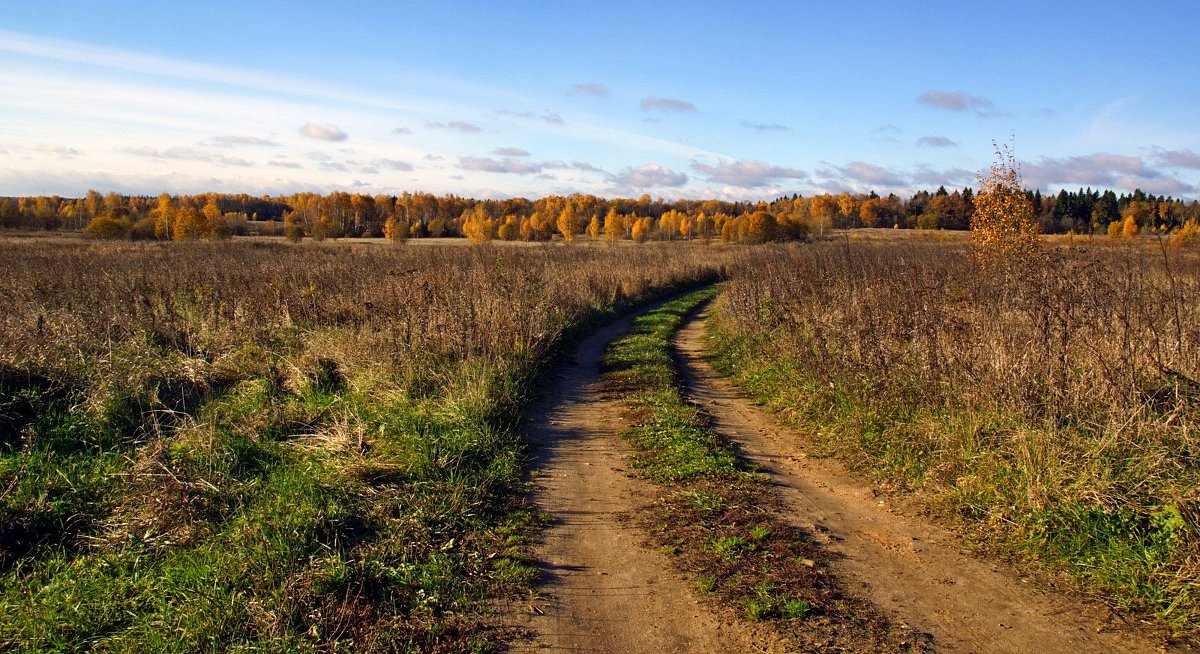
pixel 675 99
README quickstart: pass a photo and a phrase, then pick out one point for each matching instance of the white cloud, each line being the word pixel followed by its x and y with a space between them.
pixel 457 125
pixel 393 164
pixel 1177 158
pixel 654 103
pixel 233 140
pixel 185 153
pixel 958 101
pixel 506 165
pixel 935 142
pixel 746 173
pixel 548 117
pixel 594 89
pixel 649 176
pixel 764 127
pixel 54 148
pixel 324 132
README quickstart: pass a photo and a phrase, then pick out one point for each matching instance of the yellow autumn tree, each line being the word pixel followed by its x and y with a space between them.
pixel 396 228
pixel 189 225
pixel 477 225
pixel 1129 227
pixel 614 228
pixel 593 228
pixel 567 224
pixel 821 210
pixel 640 231
pixel 164 217
pixel 214 220
pixel 760 227
pixel 510 228
pixel 1003 228
pixel 1186 235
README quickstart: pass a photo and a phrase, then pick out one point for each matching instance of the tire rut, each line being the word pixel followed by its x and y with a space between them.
pixel 602 588
pixel 917 573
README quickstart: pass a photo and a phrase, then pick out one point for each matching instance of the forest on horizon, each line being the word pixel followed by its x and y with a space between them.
pixel 419 215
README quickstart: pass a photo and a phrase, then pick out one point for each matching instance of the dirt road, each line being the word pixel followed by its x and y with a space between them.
pixel 909 569
pixel 603 589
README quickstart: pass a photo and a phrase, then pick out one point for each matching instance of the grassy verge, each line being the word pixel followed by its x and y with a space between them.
pixel 718 518
pixel 278 449
pixel 1009 406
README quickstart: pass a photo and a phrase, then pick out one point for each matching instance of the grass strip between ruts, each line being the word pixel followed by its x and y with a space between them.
pixel 718 518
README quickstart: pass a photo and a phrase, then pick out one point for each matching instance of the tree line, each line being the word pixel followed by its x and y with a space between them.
pixel 424 215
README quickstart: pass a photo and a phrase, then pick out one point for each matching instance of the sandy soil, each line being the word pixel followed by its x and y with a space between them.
pixel 603 589
pixel 911 570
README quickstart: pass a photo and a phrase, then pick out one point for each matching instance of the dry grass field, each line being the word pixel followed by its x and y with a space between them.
pixel 1049 406
pixel 254 445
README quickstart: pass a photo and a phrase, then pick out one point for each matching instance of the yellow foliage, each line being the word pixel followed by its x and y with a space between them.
pixel 1003 228
pixel 478 225
pixel 1186 235
pixel 641 229
pixel 613 226
pixel 1129 227
pixel 510 228
pixel 396 229
pixel 107 227
pixel 568 224
pixel 189 225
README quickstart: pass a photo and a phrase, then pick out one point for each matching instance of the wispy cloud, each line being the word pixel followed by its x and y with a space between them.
pixel 511 152
pixel 507 165
pixel 1106 170
pixel 935 142
pixel 55 149
pixel 594 89
pixel 234 140
pixel 863 173
pixel 457 125
pixel 548 117
pixel 1177 158
pixel 764 127
pixel 887 134
pixel 514 166
pixel 653 103
pixel 184 153
pixel 745 173
pixel 402 130
pixel 927 177
pixel 649 176
pixel 325 132
pixel 958 101
pixel 393 164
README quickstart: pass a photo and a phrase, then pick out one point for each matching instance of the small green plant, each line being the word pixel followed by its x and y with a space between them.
pixel 794 609
pixel 705 501
pixel 706 584
pixel 729 548
pixel 760 532
pixel 758 609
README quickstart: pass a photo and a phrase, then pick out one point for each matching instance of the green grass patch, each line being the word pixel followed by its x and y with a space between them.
pixel 715 516
pixel 1062 497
